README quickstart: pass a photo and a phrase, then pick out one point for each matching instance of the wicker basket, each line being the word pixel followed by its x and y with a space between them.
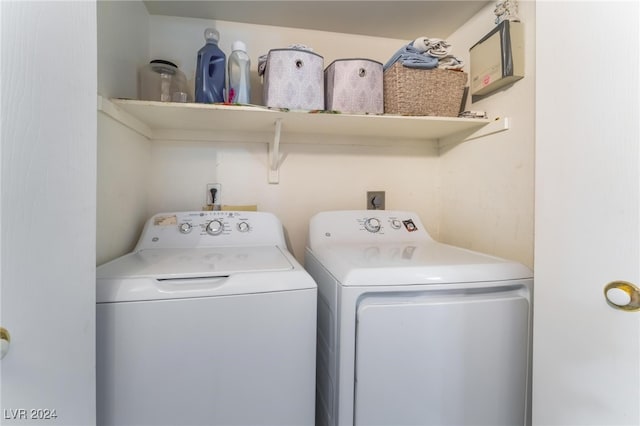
pixel 412 91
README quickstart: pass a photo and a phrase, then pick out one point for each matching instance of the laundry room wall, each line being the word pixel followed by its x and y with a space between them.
pixel 123 155
pixel 486 197
pixel 138 178
pixel 313 177
pixel 477 194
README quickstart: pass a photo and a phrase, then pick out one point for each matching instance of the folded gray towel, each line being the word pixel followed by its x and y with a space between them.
pixel 411 57
pixel 450 62
pixel 432 46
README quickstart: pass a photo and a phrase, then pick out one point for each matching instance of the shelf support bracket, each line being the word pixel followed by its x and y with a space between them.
pixel 500 124
pixel 274 154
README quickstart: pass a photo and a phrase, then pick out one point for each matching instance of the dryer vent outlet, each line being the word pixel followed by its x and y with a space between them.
pixel 375 200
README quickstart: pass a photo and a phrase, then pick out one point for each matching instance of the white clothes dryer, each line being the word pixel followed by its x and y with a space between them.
pixel 415 332
pixel 209 321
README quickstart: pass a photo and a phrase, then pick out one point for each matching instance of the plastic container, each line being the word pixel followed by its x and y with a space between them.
pixel 239 74
pixel 162 81
pixel 210 70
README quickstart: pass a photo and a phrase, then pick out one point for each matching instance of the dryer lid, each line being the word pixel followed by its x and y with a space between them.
pixel 409 263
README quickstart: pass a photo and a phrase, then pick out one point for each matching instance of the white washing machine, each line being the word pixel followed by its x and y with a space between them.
pixel 209 321
pixel 415 332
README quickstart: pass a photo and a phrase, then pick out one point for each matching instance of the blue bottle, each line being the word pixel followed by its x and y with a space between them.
pixel 210 70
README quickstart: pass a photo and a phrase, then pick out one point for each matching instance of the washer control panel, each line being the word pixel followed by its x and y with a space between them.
pixel 211 229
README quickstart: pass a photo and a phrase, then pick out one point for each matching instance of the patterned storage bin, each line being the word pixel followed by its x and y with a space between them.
pixel 354 86
pixel 293 79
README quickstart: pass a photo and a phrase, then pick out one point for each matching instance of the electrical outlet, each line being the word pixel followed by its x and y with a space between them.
pixel 209 200
pixel 375 200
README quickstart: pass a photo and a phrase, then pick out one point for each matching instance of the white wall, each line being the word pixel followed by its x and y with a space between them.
pixel 123 155
pixel 123 46
pixel 312 177
pixel 179 39
pixel 123 185
pixel 478 194
pixel 486 195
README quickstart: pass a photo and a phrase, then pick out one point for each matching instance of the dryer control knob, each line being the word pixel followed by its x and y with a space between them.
pixel 372 225
pixel 215 227
pixel 396 224
pixel 243 227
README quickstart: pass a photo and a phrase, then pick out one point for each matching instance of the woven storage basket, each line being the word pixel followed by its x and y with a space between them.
pixel 412 91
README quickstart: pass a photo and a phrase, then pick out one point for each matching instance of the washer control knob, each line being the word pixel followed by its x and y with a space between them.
pixel 372 225
pixel 396 224
pixel 215 227
pixel 185 228
pixel 243 227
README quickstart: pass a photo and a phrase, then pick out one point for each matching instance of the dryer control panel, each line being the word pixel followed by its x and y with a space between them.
pixel 211 229
pixel 364 226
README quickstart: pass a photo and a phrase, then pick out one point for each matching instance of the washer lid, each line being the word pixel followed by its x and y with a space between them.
pixel 163 274
pixel 166 274
pixel 414 263
pixel 179 263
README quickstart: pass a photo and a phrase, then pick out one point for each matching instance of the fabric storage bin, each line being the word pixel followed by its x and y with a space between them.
pixel 293 79
pixel 412 91
pixel 354 86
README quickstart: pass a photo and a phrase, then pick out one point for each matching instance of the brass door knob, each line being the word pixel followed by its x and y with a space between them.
pixel 5 339
pixel 622 295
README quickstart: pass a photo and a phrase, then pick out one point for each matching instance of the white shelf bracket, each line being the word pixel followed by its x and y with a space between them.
pixel 500 124
pixel 274 154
